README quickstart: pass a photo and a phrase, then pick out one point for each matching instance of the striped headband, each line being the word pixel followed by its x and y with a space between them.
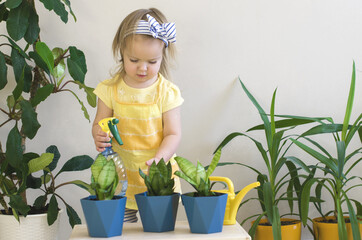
pixel 165 31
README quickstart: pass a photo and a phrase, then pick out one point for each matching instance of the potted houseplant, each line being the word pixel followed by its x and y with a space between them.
pixel 204 208
pixel 46 206
pixel 158 206
pixel 104 211
pixel 270 191
pixel 38 73
pixel 337 178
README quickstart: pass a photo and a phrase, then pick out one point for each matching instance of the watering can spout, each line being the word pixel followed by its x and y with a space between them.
pixel 233 201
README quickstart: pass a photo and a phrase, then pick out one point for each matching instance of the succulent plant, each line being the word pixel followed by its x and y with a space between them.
pixel 104 178
pixel 197 175
pixel 159 181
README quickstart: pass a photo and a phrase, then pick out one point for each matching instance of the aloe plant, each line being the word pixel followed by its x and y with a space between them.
pixel 159 181
pixel 336 179
pixel 104 178
pixel 197 175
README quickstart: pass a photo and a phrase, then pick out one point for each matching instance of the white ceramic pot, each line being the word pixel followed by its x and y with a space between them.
pixel 32 227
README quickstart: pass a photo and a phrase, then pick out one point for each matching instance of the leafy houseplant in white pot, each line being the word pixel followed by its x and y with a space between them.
pixel 158 206
pixel 204 208
pixel 104 211
pixel 38 73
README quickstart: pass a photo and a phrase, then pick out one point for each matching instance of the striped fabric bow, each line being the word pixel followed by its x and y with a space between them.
pixel 165 32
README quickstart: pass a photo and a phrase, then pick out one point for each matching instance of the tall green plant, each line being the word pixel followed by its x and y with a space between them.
pixel 273 181
pixel 38 73
pixel 337 179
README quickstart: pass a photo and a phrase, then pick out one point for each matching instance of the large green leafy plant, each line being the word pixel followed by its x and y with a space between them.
pixel 337 170
pixel 38 73
pixel 198 176
pixel 275 184
pixel 159 181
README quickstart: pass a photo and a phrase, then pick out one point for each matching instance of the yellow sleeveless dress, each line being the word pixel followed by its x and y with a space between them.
pixel 140 127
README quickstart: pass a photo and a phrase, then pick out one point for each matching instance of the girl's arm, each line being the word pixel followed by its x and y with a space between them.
pixel 171 135
pixel 100 137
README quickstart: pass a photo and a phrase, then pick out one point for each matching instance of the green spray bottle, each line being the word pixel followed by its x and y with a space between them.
pixel 109 125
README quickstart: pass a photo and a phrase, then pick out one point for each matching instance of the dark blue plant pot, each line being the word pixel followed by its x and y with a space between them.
pixel 104 218
pixel 158 213
pixel 205 214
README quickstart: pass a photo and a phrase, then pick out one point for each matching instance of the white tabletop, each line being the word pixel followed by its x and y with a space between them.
pixel 133 231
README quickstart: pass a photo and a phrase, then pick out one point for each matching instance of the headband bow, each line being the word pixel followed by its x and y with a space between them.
pixel 165 31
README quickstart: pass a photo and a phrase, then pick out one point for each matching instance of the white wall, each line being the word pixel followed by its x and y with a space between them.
pixel 305 48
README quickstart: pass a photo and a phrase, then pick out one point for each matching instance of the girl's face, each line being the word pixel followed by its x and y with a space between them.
pixel 142 60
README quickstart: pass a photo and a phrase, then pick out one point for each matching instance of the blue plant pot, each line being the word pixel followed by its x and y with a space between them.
pixel 104 218
pixel 158 213
pixel 205 214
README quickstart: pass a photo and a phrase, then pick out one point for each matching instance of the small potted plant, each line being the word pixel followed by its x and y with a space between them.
pixel 158 206
pixel 104 211
pixel 337 178
pixel 204 208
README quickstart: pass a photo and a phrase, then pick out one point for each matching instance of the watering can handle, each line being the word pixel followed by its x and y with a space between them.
pixel 225 180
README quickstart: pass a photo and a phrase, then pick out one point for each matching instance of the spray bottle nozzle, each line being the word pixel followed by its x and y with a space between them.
pixel 110 125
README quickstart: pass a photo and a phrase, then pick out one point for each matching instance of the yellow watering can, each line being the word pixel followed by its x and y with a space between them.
pixel 233 201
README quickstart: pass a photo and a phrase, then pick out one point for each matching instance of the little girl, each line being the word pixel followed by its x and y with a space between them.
pixel 146 104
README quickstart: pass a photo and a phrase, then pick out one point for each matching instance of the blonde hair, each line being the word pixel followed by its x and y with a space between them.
pixel 127 28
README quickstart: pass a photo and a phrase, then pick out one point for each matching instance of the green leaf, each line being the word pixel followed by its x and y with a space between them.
pixel 14 151
pixel 46 55
pixel 32 33
pixel 200 173
pixel 341 152
pixel 268 201
pixel 53 150
pixel 17 203
pixel 83 185
pixel 97 166
pixel 263 115
pixel 3 71
pixel 4 13
pixel 29 119
pixel 14 45
pixel 52 214
pixel 305 199
pixel 353 219
pixel 77 163
pixel 39 61
pixel 42 94
pixel 326 161
pixel 72 216
pixel 348 113
pixel 276 226
pixel 59 69
pixel 17 22
pixel 13 3
pixel 40 163
pixel 21 70
pixel 40 201
pixel 85 112
pixel 77 64
pixel 213 164
pixel 58 8
pixel 186 167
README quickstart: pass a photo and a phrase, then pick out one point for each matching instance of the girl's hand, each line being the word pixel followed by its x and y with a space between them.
pixel 149 162
pixel 101 140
